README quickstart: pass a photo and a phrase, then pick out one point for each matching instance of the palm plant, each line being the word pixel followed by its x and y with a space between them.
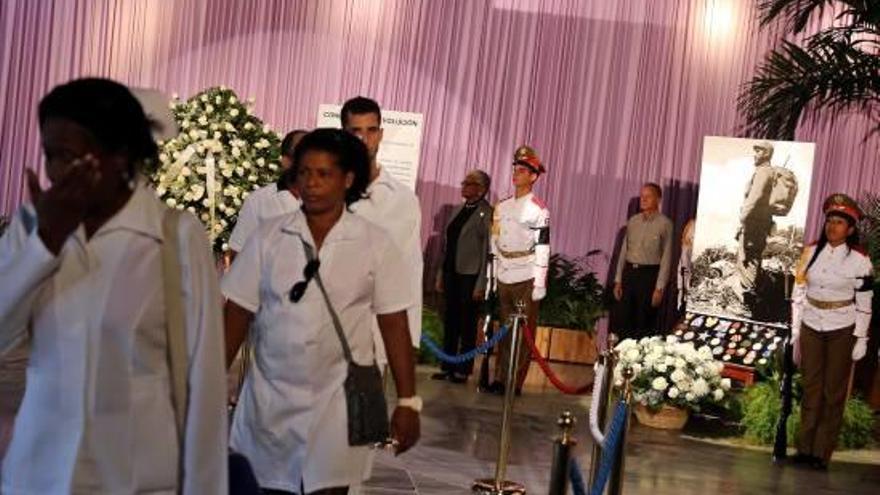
pixel 836 70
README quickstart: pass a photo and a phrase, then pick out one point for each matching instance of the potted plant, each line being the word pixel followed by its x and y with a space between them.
pixel 574 295
pixel 671 379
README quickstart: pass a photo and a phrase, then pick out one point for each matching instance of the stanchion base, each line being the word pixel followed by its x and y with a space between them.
pixel 487 487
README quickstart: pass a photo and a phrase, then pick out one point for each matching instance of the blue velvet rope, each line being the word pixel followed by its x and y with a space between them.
pixel 461 358
pixel 576 478
pixel 609 449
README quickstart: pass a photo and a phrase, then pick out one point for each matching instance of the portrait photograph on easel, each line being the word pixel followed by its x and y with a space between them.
pixel 749 232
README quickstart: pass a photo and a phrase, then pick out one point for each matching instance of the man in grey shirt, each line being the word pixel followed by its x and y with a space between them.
pixel 644 265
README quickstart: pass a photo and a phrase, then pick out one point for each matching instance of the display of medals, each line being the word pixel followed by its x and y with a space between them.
pixel 731 341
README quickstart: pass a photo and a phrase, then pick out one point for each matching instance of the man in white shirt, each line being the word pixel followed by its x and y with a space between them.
pixel 521 246
pixel 270 200
pixel 390 205
pixel 394 208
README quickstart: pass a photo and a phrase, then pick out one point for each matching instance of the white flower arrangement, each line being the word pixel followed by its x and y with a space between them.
pixel 670 372
pixel 223 153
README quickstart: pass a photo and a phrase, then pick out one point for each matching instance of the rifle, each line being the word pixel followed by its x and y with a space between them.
pixel 489 309
pixel 780 443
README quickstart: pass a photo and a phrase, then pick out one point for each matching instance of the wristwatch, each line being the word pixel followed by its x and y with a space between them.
pixel 414 403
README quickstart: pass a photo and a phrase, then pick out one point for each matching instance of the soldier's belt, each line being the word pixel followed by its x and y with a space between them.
pixel 515 254
pixel 829 304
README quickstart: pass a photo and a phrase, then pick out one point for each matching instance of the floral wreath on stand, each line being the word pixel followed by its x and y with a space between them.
pixel 222 154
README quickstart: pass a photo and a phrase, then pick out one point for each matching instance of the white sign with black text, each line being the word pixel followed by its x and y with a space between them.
pixel 401 142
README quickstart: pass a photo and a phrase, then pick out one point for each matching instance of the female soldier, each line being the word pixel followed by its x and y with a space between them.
pixel 831 311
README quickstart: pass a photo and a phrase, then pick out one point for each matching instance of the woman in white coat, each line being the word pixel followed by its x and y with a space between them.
pixel 291 419
pixel 81 280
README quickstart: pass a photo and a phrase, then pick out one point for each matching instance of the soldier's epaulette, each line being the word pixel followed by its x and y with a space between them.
pixel 538 202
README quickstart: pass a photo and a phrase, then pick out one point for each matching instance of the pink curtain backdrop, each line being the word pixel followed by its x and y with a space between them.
pixel 611 93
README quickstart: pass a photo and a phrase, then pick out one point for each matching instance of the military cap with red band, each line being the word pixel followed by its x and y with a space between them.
pixel 843 204
pixel 527 157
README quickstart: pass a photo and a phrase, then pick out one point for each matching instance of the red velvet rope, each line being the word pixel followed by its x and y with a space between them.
pixel 545 367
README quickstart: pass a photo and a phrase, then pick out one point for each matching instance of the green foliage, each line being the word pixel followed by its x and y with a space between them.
pixel 858 424
pixel 575 298
pixel 761 408
pixel 432 326
pixel 833 72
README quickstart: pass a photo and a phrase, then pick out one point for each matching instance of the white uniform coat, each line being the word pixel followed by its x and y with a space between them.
pixel 516 229
pixel 835 276
pixel 264 203
pixel 97 414
pixel 291 419
pixel 396 209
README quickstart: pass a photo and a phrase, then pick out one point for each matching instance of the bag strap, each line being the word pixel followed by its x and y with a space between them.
pixel 174 314
pixel 337 325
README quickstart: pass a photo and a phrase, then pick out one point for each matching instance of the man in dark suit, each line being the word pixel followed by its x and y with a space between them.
pixel 462 275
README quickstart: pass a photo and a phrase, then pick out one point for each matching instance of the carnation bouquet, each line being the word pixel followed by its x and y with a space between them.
pixel 669 372
pixel 222 153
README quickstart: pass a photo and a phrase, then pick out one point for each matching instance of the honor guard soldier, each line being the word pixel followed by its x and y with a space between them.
pixel 831 318
pixel 521 246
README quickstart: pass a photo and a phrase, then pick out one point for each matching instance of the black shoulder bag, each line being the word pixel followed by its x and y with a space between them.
pixel 364 395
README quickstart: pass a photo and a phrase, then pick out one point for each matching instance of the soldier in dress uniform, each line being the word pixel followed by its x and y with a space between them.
pixel 521 246
pixel 830 318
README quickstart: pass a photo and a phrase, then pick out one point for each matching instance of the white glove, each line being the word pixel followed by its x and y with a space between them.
pixel 538 293
pixel 860 348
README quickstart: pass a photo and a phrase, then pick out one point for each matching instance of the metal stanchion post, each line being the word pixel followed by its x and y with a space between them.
pixel 615 483
pixel 498 485
pixel 609 359
pixel 562 447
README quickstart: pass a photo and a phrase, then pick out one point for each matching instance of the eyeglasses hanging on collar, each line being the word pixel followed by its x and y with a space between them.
pixel 299 288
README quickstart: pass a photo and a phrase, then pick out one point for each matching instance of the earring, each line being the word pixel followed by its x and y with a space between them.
pixel 130 179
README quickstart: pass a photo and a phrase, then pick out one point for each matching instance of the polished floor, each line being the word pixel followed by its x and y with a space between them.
pixel 460 431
